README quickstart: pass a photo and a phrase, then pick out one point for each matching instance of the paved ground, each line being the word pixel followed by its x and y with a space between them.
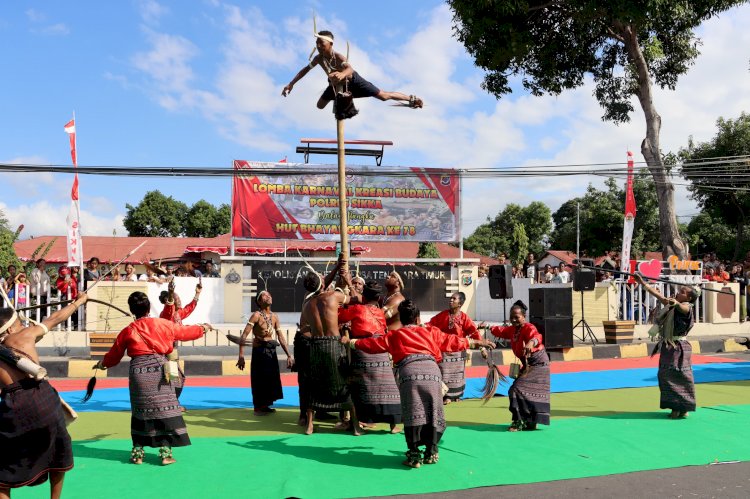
pixel 731 480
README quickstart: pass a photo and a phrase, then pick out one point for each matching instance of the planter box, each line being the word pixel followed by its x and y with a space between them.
pixel 100 343
pixel 618 331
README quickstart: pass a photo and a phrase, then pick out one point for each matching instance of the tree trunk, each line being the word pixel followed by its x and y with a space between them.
pixel 671 242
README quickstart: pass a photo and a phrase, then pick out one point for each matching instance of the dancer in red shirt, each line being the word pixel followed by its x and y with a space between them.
pixel 453 366
pixel 416 350
pixel 529 395
pixel 372 385
pixel 156 416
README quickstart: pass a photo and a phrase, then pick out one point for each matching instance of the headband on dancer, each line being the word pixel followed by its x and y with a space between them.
pixel 398 278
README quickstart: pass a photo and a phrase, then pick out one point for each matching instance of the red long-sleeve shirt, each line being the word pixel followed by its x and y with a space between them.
pixel 411 340
pixel 462 324
pixel 365 320
pixel 172 314
pixel 518 337
pixel 148 335
pixel 63 286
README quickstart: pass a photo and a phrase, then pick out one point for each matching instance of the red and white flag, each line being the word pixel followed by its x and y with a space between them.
pixel 75 246
pixel 630 209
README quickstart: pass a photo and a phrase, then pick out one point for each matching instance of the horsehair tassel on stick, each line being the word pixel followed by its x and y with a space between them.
pixel 493 378
pixel 90 387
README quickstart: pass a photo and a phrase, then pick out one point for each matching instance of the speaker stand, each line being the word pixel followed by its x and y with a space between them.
pixel 505 318
pixel 586 331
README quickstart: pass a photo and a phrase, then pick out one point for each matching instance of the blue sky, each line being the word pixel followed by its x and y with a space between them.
pixel 168 83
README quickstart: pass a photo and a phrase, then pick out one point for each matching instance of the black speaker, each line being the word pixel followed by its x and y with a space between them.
pixel 550 301
pixel 501 285
pixel 584 280
pixel 556 331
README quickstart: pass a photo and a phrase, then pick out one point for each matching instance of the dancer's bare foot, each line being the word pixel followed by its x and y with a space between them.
pixel 167 461
pixel 367 426
pixel 395 429
pixel 447 401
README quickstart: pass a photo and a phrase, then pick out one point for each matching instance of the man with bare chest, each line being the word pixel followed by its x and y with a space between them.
pixel 35 443
pixel 394 286
pixel 328 368
pixel 264 366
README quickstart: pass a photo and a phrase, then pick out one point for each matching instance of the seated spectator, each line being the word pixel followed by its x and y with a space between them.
pixel 212 272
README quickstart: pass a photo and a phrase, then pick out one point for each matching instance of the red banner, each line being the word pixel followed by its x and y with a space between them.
pixel 419 204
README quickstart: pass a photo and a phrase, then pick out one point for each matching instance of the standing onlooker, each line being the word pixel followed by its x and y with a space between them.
pixel 10 281
pixel 564 274
pixel 547 275
pixel 68 288
pixel 40 284
pixel 211 270
pixel 130 275
pixel 91 272
pixel 191 270
pixel 722 275
pixel 608 262
pixel 502 257
pixel 709 273
pixel 150 276
pixel 22 291
pixel 529 266
pixel 556 279
pixel 739 277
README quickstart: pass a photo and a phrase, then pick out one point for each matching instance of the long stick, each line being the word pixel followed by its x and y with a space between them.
pixel 343 221
pixel 113 267
pixel 667 281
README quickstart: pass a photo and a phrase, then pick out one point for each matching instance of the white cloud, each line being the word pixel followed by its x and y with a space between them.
pixel 59 29
pixel 42 218
pixel 36 16
pixel 152 11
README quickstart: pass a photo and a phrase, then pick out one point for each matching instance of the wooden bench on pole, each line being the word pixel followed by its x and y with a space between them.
pixel 311 147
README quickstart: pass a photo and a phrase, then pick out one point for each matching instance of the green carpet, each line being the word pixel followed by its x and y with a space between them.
pixel 585 439
pixel 242 422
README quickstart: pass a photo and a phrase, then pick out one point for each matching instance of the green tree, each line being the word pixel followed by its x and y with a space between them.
pixel 156 216
pixel 721 189
pixel 625 45
pixel 223 223
pixel 601 219
pixel 495 236
pixel 205 220
pixel 7 252
pixel 428 250
pixel 519 243
pixel 709 234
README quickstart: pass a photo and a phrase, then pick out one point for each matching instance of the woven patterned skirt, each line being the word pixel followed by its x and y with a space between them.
pixel 676 382
pixel 265 378
pixel 329 366
pixel 373 388
pixel 529 396
pixel 33 438
pixel 302 366
pixel 421 400
pixel 453 369
pixel 156 418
